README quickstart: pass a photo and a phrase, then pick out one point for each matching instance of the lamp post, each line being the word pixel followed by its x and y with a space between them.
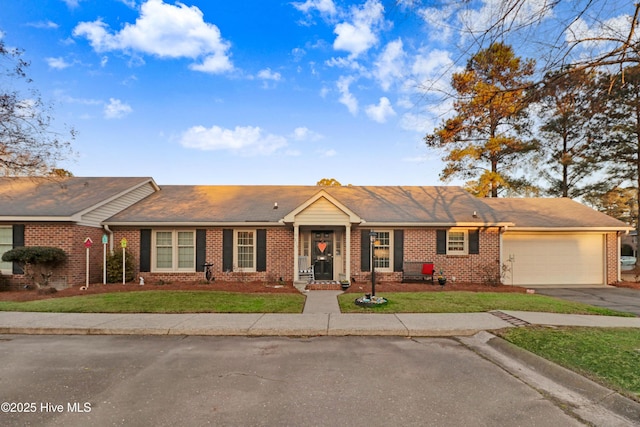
pixel 372 238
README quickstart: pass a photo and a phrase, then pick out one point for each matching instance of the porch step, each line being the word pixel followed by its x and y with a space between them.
pixel 324 285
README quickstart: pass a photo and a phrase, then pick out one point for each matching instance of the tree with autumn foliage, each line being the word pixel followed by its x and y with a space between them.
pixel 483 143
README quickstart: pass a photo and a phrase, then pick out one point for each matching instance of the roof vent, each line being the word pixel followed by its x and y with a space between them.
pixel 275 205
pixel 475 214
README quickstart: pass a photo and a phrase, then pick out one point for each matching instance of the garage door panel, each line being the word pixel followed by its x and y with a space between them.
pixel 559 259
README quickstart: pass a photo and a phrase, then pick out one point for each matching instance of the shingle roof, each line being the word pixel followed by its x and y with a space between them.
pixel 428 205
pixel 58 197
pixel 378 204
pixel 551 213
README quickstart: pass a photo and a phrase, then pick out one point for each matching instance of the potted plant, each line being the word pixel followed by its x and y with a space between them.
pixel 345 284
pixel 442 280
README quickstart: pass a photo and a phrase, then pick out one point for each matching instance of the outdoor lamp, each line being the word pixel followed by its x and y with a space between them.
pixel 372 238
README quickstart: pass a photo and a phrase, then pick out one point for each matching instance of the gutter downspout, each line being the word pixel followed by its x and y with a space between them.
pixel 110 232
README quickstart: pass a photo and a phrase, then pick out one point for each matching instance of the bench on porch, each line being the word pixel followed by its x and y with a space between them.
pixel 417 271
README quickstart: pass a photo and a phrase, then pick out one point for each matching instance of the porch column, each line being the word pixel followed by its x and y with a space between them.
pixel 296 251
pixel 347 251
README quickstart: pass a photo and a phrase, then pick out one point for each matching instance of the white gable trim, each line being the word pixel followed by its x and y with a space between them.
pixel 352 217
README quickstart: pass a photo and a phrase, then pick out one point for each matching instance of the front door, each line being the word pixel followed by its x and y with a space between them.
pixel 322 254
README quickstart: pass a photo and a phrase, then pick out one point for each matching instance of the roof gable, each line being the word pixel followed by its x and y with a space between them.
pixel 68 199
pixel 322 205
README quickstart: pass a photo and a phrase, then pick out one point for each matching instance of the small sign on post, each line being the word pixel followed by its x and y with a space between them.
pixel 105 240
pixel 87 244
pixel 123 244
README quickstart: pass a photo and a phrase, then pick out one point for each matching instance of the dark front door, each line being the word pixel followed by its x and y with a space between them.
pixel 322 254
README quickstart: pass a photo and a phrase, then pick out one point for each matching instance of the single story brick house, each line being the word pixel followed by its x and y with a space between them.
pixel 272 232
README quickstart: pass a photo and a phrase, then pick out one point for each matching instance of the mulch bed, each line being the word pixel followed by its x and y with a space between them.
pixel 261 287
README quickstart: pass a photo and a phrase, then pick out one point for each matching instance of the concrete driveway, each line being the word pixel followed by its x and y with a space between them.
pixel 621 299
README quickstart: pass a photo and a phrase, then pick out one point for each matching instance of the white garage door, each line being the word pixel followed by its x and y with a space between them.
pixel 556 259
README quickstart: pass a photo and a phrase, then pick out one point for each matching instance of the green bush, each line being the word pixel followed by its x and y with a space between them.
pixel 114 267
pixel 37 262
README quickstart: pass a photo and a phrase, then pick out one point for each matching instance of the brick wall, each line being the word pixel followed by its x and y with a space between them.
pixel 612 263
pixel 279 257
pixel 420 245
pixel 70 238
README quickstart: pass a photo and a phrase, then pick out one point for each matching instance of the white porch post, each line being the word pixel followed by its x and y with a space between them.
pixel 296 251
pixel 347 252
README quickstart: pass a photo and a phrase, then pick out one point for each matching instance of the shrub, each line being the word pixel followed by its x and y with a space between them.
pixel 37 262
pixel 114 267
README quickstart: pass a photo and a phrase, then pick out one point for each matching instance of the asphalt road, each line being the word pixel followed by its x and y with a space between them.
pixel 240 381
pixel 621 299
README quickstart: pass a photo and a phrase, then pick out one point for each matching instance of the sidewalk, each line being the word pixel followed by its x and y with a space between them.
pixel 321 317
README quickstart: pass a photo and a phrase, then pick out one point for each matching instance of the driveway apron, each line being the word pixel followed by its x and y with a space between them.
pixel 621 299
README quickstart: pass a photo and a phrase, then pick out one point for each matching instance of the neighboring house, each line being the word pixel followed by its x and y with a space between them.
pixel 272 232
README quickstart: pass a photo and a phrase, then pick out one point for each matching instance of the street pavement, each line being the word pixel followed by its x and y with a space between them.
pixel 321 317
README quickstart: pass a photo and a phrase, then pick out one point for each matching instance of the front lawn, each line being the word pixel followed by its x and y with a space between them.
pixel 165 302
pixel 471 302
pixel 608 356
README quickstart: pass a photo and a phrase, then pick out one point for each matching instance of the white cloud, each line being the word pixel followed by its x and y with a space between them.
pixel 57 63
pixel 381 112
pixel 267 74
pixel 165 31
pixel 498 14
pixel 305 134
pixel 390 65
pixel 346 97
pixel 247 140
pixel 359 35
pixel 431 70
pixel 115 109
pixel 326 7
pixel 44 25
pixel 438 20
pixel 327 153
pixel 601 33
pixel 71 4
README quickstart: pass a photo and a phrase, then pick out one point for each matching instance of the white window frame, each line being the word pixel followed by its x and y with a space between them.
pixel 390 248
pixel 465 243
pixel 174 251
pixel 236 251
pixel 5 247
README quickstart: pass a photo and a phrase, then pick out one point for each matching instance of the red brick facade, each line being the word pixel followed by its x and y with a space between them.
pixel 419 245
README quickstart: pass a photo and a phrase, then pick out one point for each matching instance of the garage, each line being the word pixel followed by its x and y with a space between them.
pixel 554 258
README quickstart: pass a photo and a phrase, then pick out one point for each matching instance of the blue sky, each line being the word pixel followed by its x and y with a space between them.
pixel 245 92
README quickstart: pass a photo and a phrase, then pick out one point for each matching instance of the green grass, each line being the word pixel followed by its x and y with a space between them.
pixel 470 302
pixel 608 356
pixel 165 302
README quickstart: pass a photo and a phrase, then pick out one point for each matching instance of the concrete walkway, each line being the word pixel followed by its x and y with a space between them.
pixel 325 302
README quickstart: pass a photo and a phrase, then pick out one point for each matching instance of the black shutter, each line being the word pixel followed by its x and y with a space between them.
pixel 365 251
pixel 227 250
pixel 474 242
pixel 201 249
pixel 261 250
pixel 18 242
pixel 145 250
pixel 441 242
pixel 398 249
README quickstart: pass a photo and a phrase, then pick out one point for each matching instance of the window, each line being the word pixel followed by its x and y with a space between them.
pixel 382 251
pixel 245 250
pixel 175 250
pixel 457 242
pixel 6 244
